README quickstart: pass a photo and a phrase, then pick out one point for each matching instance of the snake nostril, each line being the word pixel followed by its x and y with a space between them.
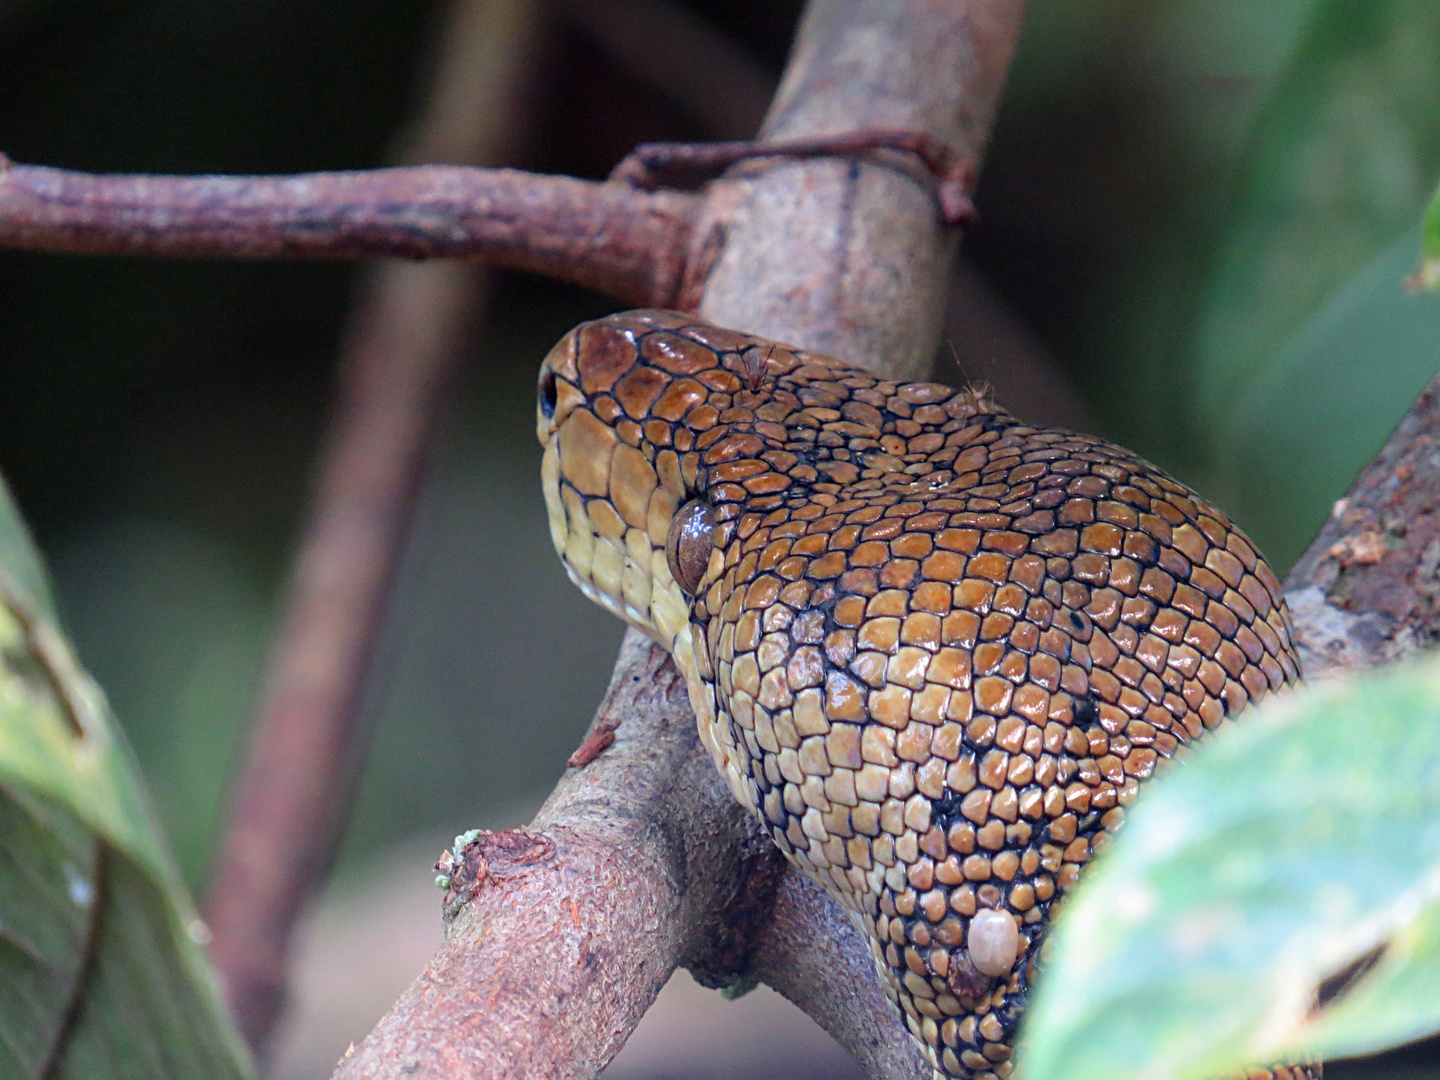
pixel 547 393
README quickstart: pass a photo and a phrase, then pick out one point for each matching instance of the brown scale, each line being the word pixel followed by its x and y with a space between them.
pixel 934 650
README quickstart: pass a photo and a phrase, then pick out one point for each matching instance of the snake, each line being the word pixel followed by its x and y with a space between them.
pixel 935 651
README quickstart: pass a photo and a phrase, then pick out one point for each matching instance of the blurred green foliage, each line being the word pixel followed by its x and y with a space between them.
pixel 1207 209
pixel 102 973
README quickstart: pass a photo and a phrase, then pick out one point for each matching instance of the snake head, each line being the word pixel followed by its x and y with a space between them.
pixel 609 494
pixel 632 415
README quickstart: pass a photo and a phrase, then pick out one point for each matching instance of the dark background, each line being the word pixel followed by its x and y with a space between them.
pixel 158 421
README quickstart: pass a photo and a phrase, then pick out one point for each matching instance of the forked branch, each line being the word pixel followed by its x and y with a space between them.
pixel 546 968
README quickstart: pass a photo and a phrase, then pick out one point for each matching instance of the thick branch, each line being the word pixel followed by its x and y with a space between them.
pixel 847 257
pixel 1365 593
pixel 611 237
pixel 567 930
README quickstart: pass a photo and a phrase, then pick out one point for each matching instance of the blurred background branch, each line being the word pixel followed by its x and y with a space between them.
pixel 408 331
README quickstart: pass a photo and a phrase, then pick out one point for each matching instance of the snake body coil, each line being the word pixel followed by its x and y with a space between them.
pixel 934 650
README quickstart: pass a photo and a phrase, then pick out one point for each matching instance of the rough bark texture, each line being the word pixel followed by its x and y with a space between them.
pixel 1366 593
pixel 627 243
pixel 553 956
pixel 815 956
pixel 828 254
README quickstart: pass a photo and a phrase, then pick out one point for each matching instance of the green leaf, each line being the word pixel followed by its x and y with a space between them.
pixel 1427 274
pixel 1325 404
pixel 1340 167
pixel 100 971
pixel 19 558
pixel 1299 845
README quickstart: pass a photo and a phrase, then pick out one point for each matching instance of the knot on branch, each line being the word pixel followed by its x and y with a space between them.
pixel 721 958
pixel 486 859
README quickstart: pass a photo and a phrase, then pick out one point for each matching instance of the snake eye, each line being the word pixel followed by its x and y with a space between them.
pixel 688 544
pixel 547 394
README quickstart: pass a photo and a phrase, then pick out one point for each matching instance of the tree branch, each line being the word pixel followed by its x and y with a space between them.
pixel 563 933
pixel 813 954
pixel 1365 593
pixel 630 244
pixel 827 254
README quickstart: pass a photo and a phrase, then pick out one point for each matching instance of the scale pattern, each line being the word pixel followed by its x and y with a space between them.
pixel 935 651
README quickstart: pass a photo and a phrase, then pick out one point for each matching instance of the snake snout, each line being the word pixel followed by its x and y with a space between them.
pixel 611 475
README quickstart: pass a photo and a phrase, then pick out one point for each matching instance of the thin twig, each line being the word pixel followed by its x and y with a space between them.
pixel 611 237
pixel 401 351
pixel 650 165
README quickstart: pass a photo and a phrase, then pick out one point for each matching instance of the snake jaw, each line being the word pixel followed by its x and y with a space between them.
pixel 935 651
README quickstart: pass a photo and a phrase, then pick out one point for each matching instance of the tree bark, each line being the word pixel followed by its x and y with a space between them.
pixel 611 237
pixel 1366 593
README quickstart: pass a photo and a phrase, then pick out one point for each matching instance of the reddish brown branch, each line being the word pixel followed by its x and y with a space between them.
pixel 550 963
pixel 611 237
pixel 813 954
pixel 847 256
